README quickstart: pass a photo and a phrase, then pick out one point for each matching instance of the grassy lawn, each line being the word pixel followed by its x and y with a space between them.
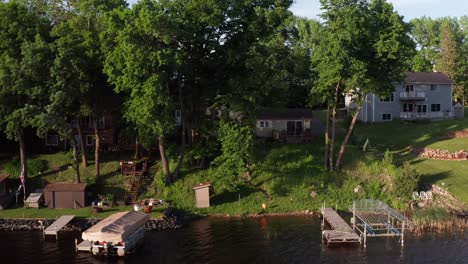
pixel 397 136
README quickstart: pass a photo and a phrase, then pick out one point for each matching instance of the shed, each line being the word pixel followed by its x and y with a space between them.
pixel 5 197
pixel 202 195
pixel 65 195
pixel 458 110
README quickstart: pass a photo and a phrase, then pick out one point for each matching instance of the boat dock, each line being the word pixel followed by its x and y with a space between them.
pixel 340 231
pixel 373 218
pixel 54 228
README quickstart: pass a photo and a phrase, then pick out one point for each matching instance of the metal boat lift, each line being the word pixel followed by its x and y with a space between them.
pixel 373 218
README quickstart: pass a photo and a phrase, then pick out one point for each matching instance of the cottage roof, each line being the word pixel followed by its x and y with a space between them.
pixel 427 77
pixel 65 187
pixel 286 113
pixel 3 177
pixel 202 185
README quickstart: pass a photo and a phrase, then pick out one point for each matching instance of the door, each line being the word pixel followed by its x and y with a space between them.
pixel 422 110
pixel 409 88
pixel 294 128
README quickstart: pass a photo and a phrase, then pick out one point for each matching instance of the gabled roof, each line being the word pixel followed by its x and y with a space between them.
pixel 65 187
pixel 427 77
pixel 3 177
pixel 285 113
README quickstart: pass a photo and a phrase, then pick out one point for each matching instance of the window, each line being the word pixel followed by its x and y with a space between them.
pixel 90 140
pixel 434 87
pixel 435 107
pixel 264 124
pixel 409 88
pixel 178 116
pixel 101 123
pixel 408 108
pixel 386 117
pixel 51 140
pixel 387 98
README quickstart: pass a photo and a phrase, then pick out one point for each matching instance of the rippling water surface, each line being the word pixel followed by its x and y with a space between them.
pixel 255 240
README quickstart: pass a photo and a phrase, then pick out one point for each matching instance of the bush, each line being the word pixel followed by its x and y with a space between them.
pixel 33 166
pixel 406 181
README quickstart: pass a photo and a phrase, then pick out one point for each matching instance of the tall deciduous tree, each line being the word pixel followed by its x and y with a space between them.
pixel 24 69
pixel 364 47
pixel 447 61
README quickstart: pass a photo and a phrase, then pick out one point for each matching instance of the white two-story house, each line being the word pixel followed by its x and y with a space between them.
pixel 422 95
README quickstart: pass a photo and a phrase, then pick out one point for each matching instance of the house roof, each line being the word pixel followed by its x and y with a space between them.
pixel 427 77
pixel 3 177
pixel 285 113
pixel 65 187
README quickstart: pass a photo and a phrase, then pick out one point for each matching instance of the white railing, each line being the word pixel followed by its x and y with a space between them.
pixel 409 95
pixel 430 115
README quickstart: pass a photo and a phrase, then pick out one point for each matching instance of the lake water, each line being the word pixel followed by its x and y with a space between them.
pixel 291 239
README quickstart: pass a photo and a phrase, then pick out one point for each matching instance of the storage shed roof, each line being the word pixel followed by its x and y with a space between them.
pixel 65 187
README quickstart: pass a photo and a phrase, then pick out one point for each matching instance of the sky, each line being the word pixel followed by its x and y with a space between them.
pixel 409 9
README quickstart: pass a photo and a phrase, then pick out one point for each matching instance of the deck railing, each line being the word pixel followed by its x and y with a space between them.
pixel 412 95
pixel 422 115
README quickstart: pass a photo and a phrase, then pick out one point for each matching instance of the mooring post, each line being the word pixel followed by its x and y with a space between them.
pixel 354 215
pixel 365 234
pixel 403 233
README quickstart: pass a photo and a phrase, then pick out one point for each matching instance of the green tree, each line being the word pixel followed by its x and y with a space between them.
pixel 363 48
pixel 24 69
pixel 447 61
pixel 235 164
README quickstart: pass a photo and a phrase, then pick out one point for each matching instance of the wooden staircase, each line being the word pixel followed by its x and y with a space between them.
pixel 134 187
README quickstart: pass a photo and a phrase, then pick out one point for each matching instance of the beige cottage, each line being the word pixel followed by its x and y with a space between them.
pixel 202 195
pixel 284 124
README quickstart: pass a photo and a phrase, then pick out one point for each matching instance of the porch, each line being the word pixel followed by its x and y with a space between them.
pixel 425 115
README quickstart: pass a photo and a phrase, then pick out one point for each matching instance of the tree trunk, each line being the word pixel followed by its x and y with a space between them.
pixel 23 159
pixel 182 141
pixel 346 139
pixel 164 161
pixel 332 144
pixel 137 148
pixel 97 145
pixel 327 143
pixel 84 160
pixel 76 164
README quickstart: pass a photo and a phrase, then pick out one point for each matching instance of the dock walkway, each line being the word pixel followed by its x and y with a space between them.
pixel 341 232
pixel 55 227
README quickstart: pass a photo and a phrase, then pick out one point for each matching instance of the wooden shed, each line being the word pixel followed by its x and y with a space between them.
pixel 202 195
pixel 5 197
pixel 458 110
pixel 65 195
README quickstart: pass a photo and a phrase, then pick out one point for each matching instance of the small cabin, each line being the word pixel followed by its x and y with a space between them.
pixel 5 197
pixel 65 195
pixel 202 195
pixel 458 110
pixel 291 124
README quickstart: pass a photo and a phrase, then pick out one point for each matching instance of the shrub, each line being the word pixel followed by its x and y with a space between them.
pixel 405 180
pixel 34 166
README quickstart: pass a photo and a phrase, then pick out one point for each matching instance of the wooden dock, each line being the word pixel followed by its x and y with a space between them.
pixel 340 231
pixel 54 228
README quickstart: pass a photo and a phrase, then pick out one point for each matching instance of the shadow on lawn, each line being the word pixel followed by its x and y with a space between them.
pixel 230 197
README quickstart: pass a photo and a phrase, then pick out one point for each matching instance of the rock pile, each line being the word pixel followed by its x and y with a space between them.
pixel 444 154
pixel 171 219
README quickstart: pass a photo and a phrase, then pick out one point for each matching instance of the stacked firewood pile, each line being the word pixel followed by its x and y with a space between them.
pixel 444 154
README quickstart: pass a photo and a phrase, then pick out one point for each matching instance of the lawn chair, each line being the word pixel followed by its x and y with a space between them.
pixel 416 196
pixel 423 196
pixel 429 195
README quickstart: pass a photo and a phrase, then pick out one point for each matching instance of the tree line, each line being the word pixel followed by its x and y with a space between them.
pixel 66 60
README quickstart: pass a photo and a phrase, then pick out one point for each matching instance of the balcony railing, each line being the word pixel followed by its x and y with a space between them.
pixel 422 115
pixel 412 95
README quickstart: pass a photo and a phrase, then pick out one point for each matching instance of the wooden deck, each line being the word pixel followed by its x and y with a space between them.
pixel 54 228
pixel 341 232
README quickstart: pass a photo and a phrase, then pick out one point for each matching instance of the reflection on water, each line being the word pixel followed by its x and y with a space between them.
pixel 255 240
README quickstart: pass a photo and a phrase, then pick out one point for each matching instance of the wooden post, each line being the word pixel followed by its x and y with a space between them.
pixel 403 233
pixel 365 234
pixel 354 215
